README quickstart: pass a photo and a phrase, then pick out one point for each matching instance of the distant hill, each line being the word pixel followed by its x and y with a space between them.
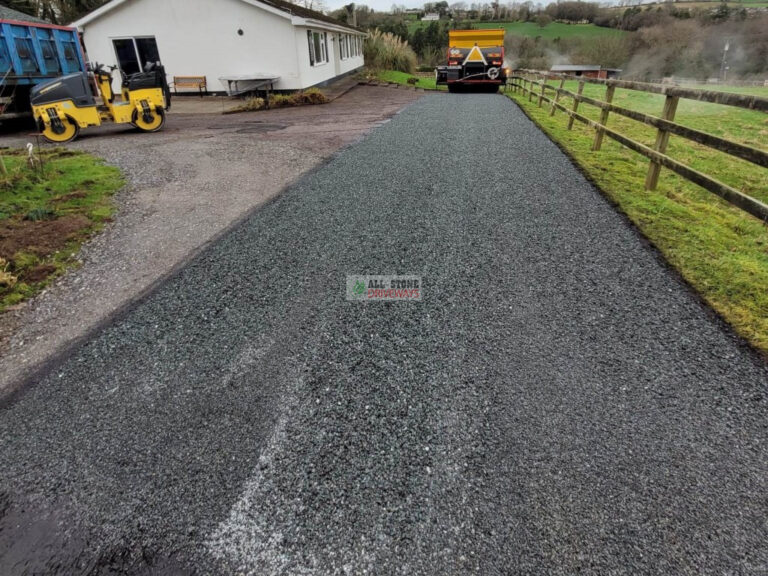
pixel 532 30
pixel 700 4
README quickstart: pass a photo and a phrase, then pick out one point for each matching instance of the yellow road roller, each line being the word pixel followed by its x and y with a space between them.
pixel 63 106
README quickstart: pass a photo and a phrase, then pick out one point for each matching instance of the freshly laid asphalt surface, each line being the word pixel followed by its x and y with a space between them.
pixel 558 402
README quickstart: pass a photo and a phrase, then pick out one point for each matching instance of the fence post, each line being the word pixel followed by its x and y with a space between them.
pixel 575 104
pixel 557 97
pixel 543 86
pixel 530 90
pixel 662 139
pixel 599 133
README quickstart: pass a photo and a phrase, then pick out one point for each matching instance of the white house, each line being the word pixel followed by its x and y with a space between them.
pixel 224 38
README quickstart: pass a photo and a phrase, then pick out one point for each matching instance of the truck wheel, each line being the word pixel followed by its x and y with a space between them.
pixel 69 131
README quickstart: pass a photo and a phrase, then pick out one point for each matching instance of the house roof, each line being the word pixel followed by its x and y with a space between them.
pixel 307 13
pixel 574 67
pixel 290 10
pixel 580 67
pixel 11 14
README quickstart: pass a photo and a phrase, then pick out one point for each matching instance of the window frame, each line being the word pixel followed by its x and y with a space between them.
pixel 343 47
pixel 322 43
pixel 135 48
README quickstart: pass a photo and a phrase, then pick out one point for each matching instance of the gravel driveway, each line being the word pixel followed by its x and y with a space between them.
pixel 557 403
pixel 186 185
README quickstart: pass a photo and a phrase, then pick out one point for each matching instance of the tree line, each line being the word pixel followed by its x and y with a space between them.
pixel 56 11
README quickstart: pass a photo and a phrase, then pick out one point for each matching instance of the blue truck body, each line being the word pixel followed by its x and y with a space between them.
pixel 31 53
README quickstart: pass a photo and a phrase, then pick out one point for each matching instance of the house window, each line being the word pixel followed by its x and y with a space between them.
pixel 134 53
pixel 318 47
pixel 349 46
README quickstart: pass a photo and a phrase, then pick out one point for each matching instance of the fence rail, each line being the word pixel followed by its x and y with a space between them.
pixel 534 84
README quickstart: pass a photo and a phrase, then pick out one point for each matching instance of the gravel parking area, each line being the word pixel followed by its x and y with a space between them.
pixel 557 403
pixel 187 184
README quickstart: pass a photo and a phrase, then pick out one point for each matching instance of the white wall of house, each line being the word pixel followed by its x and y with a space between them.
pixel 200 38
pixel 335 65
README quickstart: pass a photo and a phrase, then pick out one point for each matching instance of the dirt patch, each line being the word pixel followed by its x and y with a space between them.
pixel 71 196
pixel 40 238
pixel 38 273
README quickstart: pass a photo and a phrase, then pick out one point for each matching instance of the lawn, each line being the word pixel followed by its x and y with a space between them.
pixel 395 77
pixel 46 213
pixel 720 250
pixel 553 30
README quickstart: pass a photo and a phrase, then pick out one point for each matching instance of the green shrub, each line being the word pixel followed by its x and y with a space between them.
pixel 385 51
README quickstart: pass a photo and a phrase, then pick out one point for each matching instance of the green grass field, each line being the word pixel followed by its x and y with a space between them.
pixel 46 214
pixel 531 29
pixel 721 251
pixel 553 30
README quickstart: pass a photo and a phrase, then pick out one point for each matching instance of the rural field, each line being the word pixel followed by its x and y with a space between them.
pixel 552 30
pixel 531 29
pixel 710 4
pixel 720 250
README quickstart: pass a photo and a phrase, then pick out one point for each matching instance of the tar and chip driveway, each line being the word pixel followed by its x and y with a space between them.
pixel 556 403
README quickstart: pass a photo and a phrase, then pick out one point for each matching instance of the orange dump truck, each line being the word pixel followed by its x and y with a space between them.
pixel 475 59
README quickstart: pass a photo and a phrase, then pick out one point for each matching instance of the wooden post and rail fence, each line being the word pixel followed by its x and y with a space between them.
pixel 534 83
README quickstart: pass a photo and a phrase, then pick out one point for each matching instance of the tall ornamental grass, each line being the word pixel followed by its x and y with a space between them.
pixel 385 51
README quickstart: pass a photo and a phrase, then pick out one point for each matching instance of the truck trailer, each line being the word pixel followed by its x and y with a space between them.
pixel 32 53
pixel 475 60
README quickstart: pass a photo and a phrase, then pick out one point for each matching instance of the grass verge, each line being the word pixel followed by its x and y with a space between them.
pixel 46 213
pixel 721 251
pixel 395 77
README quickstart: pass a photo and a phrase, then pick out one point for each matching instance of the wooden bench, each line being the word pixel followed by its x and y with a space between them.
pixel 198 82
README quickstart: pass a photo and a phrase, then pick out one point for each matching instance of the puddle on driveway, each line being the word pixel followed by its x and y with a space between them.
pixel 38 541
pixel 252 127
